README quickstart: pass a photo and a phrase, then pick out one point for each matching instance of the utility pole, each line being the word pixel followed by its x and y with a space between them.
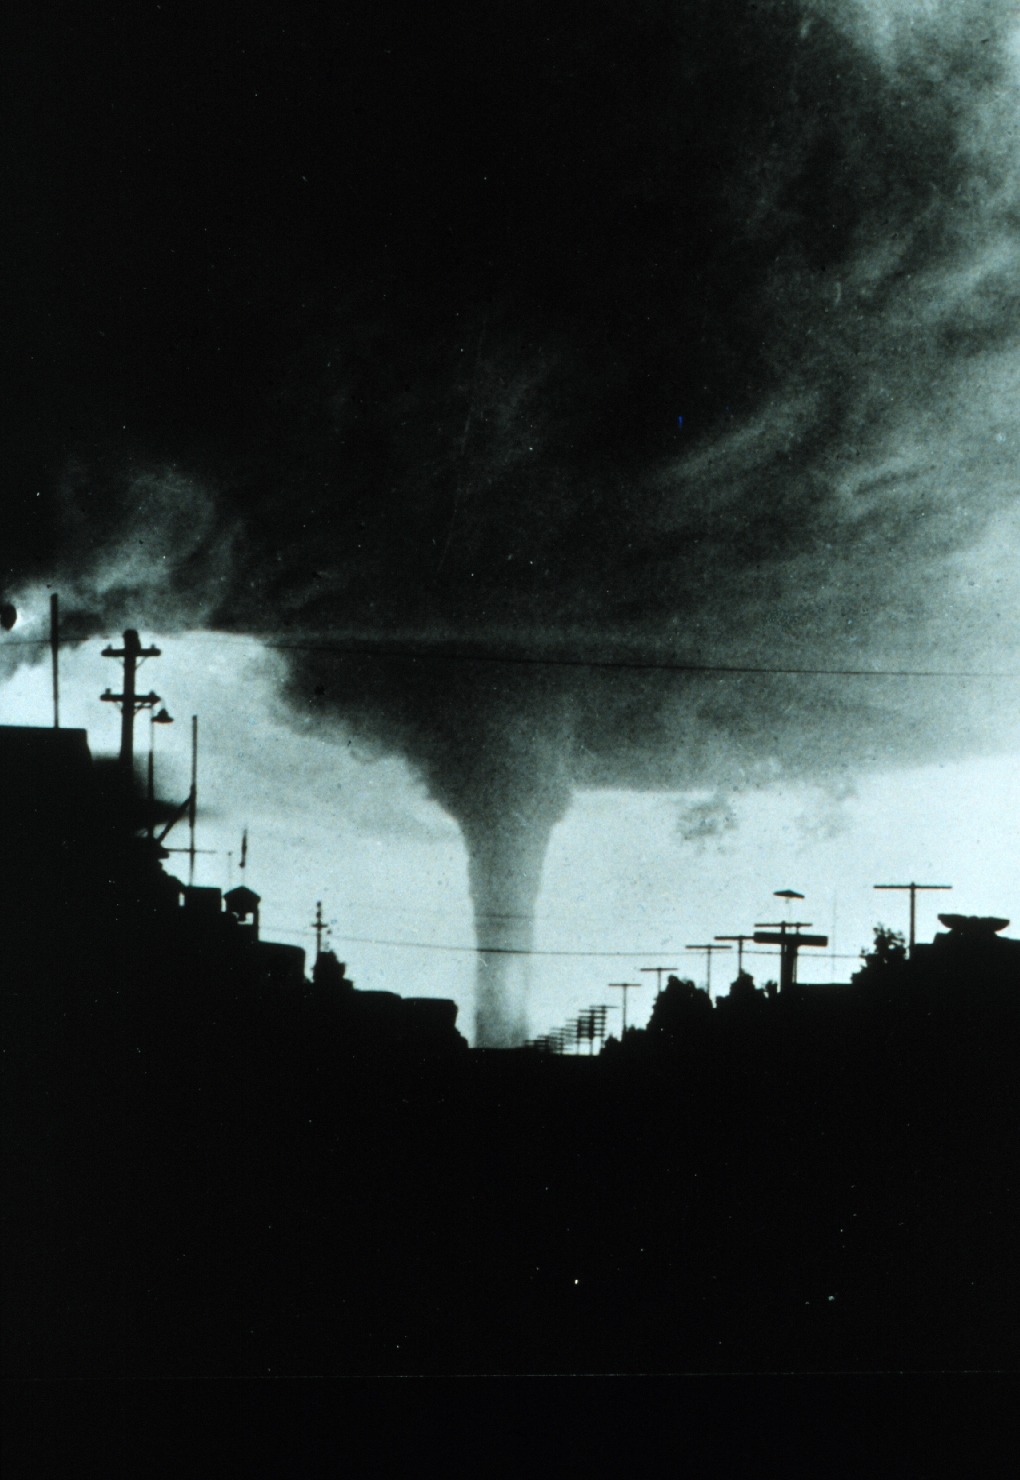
pixel 625 987
pixel 193 799
pixel 130 702
pixel 658 975
pixel 740 940
pixel 786 935
pixel 54 654
pixel 597 1026
pixel 162 718
pixel 191 808
pixel 709 951
pixel 320 927
pixel 913 888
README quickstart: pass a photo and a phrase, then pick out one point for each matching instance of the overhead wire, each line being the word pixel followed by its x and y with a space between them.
pixel 472 950
pixel 642 665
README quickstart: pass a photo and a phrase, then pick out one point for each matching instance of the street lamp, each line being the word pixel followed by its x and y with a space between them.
pixel 162 718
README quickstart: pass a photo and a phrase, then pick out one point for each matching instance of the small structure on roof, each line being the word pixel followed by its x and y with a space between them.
pixel 981 926
pixel 243 903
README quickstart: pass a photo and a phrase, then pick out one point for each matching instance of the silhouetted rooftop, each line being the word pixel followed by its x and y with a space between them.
pixel 37 762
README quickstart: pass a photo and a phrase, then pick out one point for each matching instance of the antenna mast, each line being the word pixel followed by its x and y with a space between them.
pixel 54 645
pixel 193 799
pixel 320 927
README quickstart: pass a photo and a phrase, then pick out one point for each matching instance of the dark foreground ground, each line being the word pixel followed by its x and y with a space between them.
pixel 206 1192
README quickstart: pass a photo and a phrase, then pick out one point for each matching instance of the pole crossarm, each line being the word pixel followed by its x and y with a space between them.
pixel 129 700
pixel 787 936
pixel 321 928
pixel 741 941
pixel 708 949
pixel 141 701
pixel 914 890
pixel 658 975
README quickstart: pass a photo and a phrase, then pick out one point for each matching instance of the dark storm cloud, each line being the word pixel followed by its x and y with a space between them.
pixel 670 330
pixel 796 241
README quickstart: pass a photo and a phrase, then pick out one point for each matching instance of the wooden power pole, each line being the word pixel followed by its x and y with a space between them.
pixel 709 951
pixel 625 987
pixel 658 975
pixel 913 888
pixel 130 701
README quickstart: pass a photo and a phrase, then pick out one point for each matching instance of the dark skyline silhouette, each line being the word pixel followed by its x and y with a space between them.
pixel 567 456
pixel 218 1164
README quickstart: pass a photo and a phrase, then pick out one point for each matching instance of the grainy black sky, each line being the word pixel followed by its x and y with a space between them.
pixel 669 329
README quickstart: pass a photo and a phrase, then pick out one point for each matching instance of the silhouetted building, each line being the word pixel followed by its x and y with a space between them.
pixel 47 805
pixel 971 956
pixel 431 1019
pixel 283 966
pixel 217 1164
pixel 203 903
pixel 243 903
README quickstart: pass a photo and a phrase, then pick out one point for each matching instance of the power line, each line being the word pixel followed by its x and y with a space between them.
pixel 526 660
pixel 421 945
pixel 627 664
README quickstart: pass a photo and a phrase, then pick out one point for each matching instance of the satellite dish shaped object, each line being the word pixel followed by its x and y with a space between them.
pixel 8 615
pixel 979 925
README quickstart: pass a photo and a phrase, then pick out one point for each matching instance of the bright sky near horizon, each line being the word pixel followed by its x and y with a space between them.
pixel 632 877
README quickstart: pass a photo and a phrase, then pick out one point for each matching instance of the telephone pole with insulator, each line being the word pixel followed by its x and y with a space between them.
pixel 625 987
pixel 709 951
pixel 786 934
pixel 130 701
pixel 320 927
pixel 658 975
pixel 913 889
pixel 741 941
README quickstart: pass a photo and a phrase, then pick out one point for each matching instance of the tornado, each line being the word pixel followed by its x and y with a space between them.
pixel 511 787
pixel 686 339
pixel 494 745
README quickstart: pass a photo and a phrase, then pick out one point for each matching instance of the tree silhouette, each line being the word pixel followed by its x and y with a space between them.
pixel 680 1008
pixel 885 962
